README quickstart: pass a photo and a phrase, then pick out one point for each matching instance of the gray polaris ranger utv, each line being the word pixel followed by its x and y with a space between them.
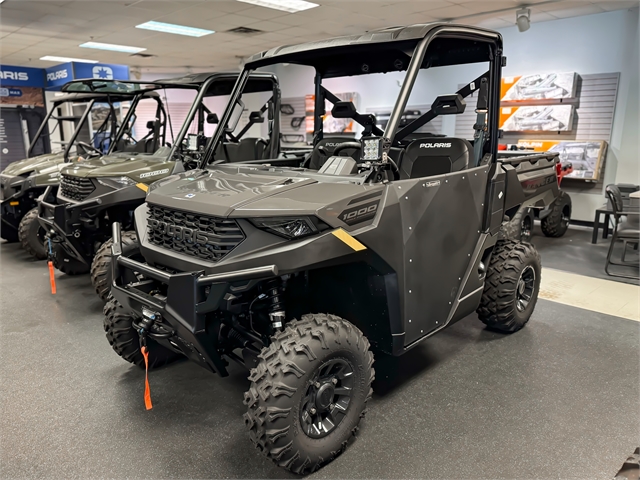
pixel 86 123
pixel 299 273
pixel 96 193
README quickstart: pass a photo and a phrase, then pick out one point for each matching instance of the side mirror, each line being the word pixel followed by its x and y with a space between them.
pixel 151 124
pixel 212 118
pixel 256 117
pixel 344 110
pixel 287 109
pixel 449 105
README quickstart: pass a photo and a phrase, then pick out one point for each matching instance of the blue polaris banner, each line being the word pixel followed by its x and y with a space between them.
pixel 102 71
pixel 59 75
pixel 13 76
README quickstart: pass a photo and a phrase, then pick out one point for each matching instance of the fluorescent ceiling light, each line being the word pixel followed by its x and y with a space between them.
pixel 112 47
pixel 177 29
pixel 53 58
pixel 1 1
pixel 291 6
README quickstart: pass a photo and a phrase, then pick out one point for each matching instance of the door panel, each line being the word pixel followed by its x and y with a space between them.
pixel 441 219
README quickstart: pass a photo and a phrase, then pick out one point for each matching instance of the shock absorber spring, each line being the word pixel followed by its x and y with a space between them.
pixel 275 301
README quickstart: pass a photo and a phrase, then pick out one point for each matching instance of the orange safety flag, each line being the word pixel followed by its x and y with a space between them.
pixel 147 390
pixel 52 278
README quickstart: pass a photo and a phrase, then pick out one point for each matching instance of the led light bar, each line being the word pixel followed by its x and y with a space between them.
pixel 291 6
pixel 112 47
pixel 176 29
pixel 53 58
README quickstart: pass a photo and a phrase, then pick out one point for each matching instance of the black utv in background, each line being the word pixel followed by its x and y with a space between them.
pixel 81 138
pixel 95 194
pixel 299 273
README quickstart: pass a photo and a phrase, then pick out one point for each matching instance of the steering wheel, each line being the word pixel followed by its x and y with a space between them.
pixel 345 145
pixel 88 148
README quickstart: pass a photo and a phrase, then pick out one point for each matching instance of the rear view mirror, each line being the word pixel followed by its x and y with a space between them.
pixel 256 117
pixel 449 105
pixel 344 110
pixel 212 118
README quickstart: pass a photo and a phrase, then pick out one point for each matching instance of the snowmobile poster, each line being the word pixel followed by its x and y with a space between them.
pixel 544 118
pixel 586 156
pixel 544 86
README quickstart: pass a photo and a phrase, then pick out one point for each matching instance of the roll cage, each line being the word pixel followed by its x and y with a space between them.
pixel 206 84
pixel 110 122
pixel 407 49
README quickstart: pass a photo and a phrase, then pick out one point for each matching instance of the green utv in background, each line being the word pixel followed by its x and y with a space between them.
pixel 299 274
pixel 22 182
pixel 96 193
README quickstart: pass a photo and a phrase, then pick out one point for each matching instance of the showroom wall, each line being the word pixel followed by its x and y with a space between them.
pixel 601 43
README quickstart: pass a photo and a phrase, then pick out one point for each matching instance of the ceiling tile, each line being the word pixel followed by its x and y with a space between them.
pixel 617 5
pixel 267 26
pixel 584 9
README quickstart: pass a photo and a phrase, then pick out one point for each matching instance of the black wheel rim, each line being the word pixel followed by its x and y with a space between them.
pixel 525 230
pixel 525 288
pixel 327 398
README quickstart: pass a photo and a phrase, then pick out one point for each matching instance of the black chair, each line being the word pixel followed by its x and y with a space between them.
pixel 628 231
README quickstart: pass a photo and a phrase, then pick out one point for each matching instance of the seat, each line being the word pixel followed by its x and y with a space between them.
pixel 427 157
pixel 324 149
pixel 245 149
pixel 628 232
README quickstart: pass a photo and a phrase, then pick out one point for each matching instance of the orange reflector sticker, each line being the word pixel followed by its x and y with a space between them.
pixel 349 240
pixel 143 186
pixel 52 278
pixel 13 204
pixel 147 390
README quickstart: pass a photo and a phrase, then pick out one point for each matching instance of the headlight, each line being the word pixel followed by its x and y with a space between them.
pixel 371 150
pixel 287 227
pixel 116 182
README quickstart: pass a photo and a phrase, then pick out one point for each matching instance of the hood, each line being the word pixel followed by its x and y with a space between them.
pixel 243 191
pixel 35 164
pixel 139 167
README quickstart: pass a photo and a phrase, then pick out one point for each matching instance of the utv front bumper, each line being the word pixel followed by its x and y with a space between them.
pixel 71 223
pixel 190 296
pixel 63 222
pixel 17 197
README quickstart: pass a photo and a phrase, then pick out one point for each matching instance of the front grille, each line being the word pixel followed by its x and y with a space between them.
pixel 75 188
pixel 202 236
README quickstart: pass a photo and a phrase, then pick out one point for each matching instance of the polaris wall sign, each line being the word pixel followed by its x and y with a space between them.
pixel 61 74
pixel 13 76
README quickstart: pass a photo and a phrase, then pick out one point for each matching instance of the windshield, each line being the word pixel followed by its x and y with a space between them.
pixel 350 108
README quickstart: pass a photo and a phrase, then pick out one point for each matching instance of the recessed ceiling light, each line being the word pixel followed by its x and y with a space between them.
pixel 112 47
pixel 53 58
pixel 291 6
pixel 177 29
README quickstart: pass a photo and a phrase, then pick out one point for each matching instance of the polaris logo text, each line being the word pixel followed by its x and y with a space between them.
pixel 181 234
pixel 435 145
pixel 331 144
pixel 433 183
pixel 153 174
pixel 7 75
pixel 60 74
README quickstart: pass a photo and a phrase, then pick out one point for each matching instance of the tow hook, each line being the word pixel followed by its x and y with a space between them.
pixel 148 319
